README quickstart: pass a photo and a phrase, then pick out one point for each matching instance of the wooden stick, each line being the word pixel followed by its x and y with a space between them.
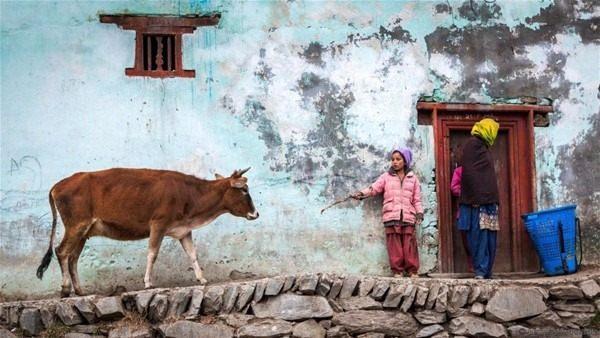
pixel 342 201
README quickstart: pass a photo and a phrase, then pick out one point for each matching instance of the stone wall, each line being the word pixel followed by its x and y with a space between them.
pixel 324 305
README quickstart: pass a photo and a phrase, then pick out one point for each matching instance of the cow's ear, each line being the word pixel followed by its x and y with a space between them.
pixel 218 176
pixel 239 183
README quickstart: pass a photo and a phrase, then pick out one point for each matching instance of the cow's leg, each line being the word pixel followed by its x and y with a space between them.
pixel 156 238
pixel 188 245
pixel 63 261
pixel 73 258
pixel 74 235
pixel 63 251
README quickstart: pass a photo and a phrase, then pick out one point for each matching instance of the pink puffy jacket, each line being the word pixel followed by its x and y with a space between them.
pixel 401 199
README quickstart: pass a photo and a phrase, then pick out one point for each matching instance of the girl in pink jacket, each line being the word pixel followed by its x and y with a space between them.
pixel 402 211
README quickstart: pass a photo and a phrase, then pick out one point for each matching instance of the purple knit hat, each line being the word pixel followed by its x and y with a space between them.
pixel 406 154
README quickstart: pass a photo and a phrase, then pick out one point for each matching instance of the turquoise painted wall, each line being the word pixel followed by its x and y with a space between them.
pixel 312 95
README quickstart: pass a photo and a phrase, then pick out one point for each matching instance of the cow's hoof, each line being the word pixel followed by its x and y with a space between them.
pixel 79 293
pixel 149 286
pixel 202 281
pixel 65 293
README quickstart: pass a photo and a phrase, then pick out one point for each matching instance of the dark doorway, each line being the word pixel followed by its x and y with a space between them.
pixel 514 165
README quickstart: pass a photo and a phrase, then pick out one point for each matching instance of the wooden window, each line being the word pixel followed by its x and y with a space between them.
pixel 158 42
pixel 159 52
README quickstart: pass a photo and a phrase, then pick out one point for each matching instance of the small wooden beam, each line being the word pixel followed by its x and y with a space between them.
pixel 135 22
pixel 478 107
pixel 425 109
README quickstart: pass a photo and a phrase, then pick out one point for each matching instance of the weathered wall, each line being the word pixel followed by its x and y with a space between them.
pixel 312 95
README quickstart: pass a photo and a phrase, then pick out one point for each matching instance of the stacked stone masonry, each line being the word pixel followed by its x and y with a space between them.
pixel 323 305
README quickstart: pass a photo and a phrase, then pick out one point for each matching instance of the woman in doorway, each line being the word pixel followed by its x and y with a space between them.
pixel 478 203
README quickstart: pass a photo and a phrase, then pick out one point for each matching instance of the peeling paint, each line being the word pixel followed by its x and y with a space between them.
pixel 482 12
pixel 313 52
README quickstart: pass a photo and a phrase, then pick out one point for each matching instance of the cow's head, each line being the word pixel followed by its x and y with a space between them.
pixel 237 197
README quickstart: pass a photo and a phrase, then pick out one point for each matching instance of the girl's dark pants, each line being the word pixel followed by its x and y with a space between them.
pixel 402 249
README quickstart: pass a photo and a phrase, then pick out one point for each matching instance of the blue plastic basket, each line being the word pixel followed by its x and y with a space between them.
pixel 553 232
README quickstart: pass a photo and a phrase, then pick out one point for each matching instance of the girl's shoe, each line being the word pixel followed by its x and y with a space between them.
pixel 414 275
pixel 479 277
pixel 399 275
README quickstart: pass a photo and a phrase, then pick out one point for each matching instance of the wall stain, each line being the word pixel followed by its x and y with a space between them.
pixel 392 33
pixel 312 53
pixel 443 8
pixel 263 72
pixel 327 152
pixel 474 11
pixel 396 33
pixel 254 114
pixel 561 17
pixel 477 46
pixel 580 163
pixel 505 49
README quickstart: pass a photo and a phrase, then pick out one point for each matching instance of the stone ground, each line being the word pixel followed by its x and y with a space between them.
pixel 325 305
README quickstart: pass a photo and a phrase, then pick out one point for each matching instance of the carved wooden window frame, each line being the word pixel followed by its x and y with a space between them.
pixel 151 26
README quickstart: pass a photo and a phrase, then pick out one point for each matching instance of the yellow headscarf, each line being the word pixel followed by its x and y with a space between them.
pixel 487 129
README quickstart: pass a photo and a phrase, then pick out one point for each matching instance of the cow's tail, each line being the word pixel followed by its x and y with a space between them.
pixel 48 256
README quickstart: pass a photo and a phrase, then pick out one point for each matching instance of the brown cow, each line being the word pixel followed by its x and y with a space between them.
pixel 132 204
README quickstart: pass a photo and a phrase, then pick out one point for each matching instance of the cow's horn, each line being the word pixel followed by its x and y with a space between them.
pixel 239 173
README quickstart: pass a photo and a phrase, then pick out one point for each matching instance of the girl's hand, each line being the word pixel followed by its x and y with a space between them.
pixel 419 219
pixel 358 195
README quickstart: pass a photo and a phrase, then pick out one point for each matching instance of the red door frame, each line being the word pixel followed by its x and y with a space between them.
pixel 518 120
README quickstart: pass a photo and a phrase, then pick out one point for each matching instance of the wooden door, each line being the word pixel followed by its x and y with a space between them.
pixel 513 163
